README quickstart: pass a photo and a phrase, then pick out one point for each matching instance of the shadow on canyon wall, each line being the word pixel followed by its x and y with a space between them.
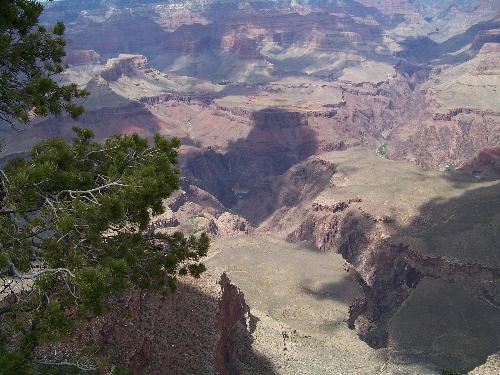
pixel 121 33
pixel 127 118
pixel 278 140
pixel 431 290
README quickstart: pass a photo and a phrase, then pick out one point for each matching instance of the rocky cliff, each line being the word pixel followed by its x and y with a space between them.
pixel 405 248
pixel 203 328
pixel 234 327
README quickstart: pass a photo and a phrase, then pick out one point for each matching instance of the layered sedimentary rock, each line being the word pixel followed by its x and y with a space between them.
pixel 208 81
pixel 407 250
pixel 233 327
pixel 269 98
pixel 486 164
pixel 486 36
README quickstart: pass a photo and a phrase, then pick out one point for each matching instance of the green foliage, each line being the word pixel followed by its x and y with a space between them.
pixel 30 57
pixel 451 372
pixel 14 362
pixel 74 228
pixel 74 216
pixel 53 322
pixel 450 167
pixel 383 150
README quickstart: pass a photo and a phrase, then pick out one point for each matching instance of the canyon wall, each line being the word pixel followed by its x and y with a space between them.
pixel 401 244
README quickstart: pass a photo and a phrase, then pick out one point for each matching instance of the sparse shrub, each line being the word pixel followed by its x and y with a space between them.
pixel 450 167
pixel 122 371
pixel 383 150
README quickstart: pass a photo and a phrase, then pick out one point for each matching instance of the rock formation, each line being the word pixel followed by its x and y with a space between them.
pixel 203 327
pixel 233 325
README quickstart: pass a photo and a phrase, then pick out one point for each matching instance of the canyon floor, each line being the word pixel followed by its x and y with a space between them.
pixel 299 298
pixel 421 247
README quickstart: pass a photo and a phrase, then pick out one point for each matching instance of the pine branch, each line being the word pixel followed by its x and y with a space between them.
pixel 34 275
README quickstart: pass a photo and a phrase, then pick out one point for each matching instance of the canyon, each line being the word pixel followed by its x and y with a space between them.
pixel 343 155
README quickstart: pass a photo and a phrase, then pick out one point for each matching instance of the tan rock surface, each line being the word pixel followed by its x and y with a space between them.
pixel 300 299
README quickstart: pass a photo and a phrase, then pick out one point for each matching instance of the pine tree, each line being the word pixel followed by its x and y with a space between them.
pixel 74 216
pixel 74 231
pixel 31 56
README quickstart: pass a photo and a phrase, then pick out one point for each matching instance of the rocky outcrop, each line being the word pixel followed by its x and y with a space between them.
pixel 489 157
pixel 163 224
pixel 389 272
pixel 229 224
pixel 486 164
pixel 321 224
pixel 124 65
pixel 299 184
pixel 486 36
pixel 147 333
pixel 202 328
pixel 387 264
pixel 396 253
pixel 319 229
pixel 232 326
pixel 454 138
pixel 194 98
pixel 462 111
pixel 490 367
pixel 234 353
